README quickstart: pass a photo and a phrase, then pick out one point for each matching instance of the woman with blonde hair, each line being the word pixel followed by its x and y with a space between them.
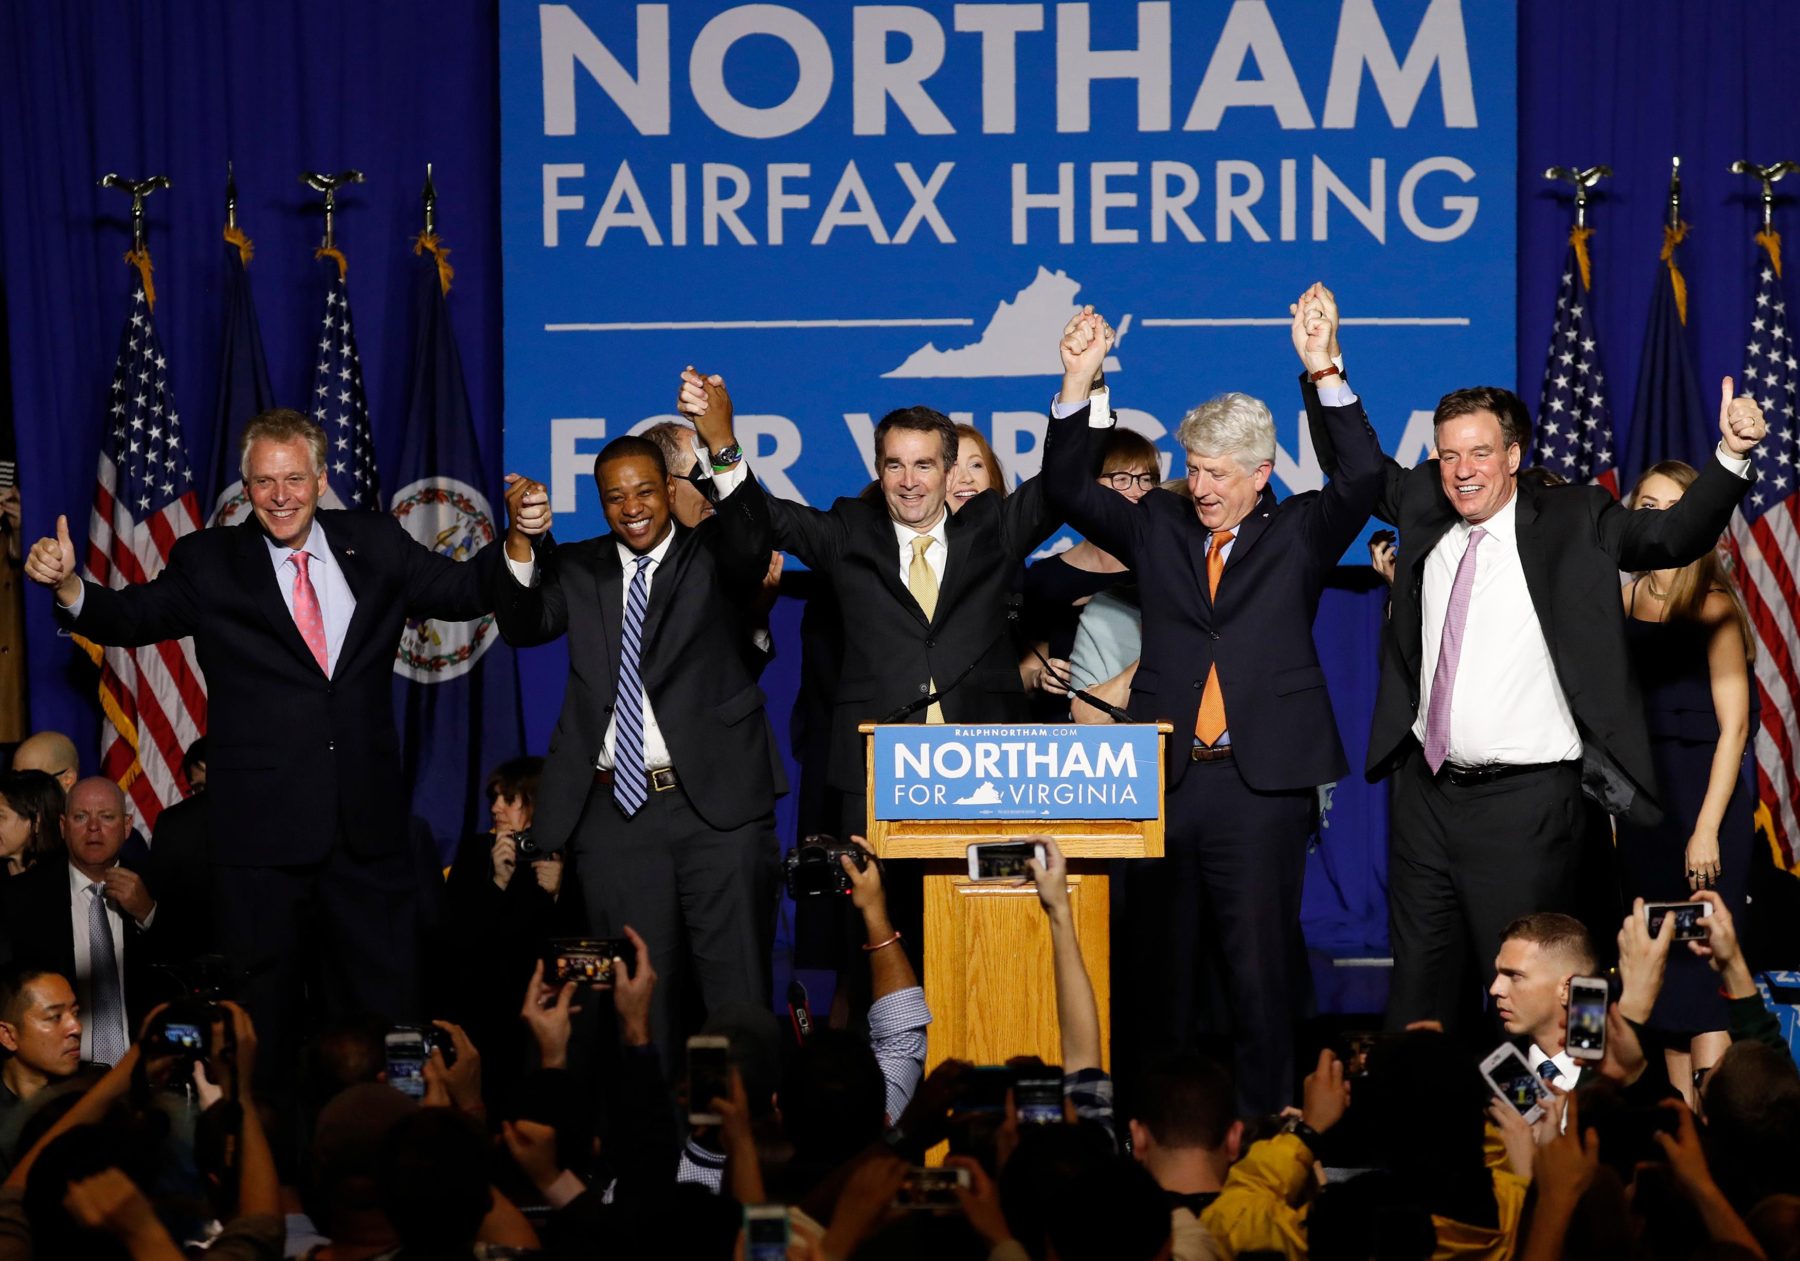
pixel 1691 646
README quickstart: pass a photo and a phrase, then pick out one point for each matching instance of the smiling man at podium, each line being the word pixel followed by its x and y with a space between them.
pixel 1230 584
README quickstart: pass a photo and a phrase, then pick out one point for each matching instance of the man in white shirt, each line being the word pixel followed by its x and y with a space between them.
pixel 1539 954
pixel 86 919
pixel 662 774
pixel 1506 691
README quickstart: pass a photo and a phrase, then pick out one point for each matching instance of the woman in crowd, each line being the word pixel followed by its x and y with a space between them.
pixel 31 802
pixel 1057 587
pixel 976 468
pixel 1690 646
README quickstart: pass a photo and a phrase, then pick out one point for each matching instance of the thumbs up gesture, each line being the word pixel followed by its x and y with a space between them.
pixel 1741 423
pixel 52 563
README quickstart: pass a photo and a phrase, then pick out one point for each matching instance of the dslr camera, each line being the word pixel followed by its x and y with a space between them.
pixel 525 846
pixel 812 868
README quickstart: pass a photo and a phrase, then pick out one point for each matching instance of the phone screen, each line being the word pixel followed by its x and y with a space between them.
pixel 1514 1082
pixel 1689 919
pixel 709 1077
pixel 406 1062
pixel 1039 1098
pixel 1587 1018
pixel 765 1234
pixel 1003 860
pixel 186 1036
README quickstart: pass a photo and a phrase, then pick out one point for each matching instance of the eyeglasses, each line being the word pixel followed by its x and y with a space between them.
pixel 1125 481
pixel 700 478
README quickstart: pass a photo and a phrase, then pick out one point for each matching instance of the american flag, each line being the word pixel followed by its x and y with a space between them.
pixel 339 406
pixel 1764 543
pixel 144 500
pixel 1574 424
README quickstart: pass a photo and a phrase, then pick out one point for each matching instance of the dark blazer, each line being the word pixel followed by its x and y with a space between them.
pixel 695 664
pixel 1259 633
pixel 295 756
pixel 891 652
pixel 42 936
pixel 178 870
pixel 1573 541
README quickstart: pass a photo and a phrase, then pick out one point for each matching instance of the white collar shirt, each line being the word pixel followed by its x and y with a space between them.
pixel 656 747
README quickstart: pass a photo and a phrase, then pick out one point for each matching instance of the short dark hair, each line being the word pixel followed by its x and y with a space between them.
pixel 516 779
pixel 833 1097
pixel 1554 932
pixel 195 756
pixel 1124 448
pixel 630 447
pixel 434 1181
pixel 1515 421
pixel 37 796
pixel 15 979
pixel 1186 1101
pixel 919 420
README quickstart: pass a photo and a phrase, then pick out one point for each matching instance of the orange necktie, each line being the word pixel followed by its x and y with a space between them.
pixel 1209 725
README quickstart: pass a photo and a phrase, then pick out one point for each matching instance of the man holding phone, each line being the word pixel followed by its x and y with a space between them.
pixel 1540 954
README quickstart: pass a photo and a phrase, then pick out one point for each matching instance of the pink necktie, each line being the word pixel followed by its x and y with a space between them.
pixel 1443 679
pixel 312 622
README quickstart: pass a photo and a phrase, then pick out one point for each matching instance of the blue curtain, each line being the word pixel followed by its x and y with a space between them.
pixel 141 86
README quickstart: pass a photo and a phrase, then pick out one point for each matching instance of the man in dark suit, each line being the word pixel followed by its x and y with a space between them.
pixel 927 595
pixel 1231 583
pixel 89 918
pixel 662 774
pixel 1506 689
pixel 295 618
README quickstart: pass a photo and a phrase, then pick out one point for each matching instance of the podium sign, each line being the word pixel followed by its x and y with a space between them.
pixel 936 789
pixel 1017 773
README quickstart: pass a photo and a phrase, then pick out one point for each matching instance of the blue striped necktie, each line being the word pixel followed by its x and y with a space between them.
pixel 630 783
pixel 107 1043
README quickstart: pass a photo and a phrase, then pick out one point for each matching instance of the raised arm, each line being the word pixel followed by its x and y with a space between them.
pixel 767 522
pixel 143 613
pixel 1077 1014
pixel 1666 540
pixel 1320 419
pixel 1360 472
pixel 1109 520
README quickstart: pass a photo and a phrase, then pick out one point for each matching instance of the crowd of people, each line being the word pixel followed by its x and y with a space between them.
pixel 303 1038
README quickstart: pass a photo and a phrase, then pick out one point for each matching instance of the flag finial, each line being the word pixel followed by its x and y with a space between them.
pixel 230 195
pixel 429 198
pixel 329 184
pixel 1584 180
pixel 1767 175
pixel 139 189
pixel 1674 222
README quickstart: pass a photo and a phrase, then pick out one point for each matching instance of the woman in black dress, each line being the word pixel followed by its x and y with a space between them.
pixel 1690 645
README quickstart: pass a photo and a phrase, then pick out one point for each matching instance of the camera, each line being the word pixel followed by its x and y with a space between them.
pixel 585 960
pixel 812 868
pixel 525 845
pixel 184 1029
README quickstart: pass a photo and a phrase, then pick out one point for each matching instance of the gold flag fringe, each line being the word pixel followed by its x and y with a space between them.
pixel 245 247
pixel 338 256
pixel 1578 237
pixel 1671 238
pixel 140 259
pixel 432 242
pixel 1771 243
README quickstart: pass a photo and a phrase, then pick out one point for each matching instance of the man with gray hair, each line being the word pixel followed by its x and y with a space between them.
pixel 1230 585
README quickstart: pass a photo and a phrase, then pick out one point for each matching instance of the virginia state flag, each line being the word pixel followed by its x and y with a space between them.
pixel 1669 420
pixel 456 685
pixel 244 388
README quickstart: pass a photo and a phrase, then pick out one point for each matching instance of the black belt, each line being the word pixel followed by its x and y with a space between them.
pixel 1469 776
pixel 661 780
pixel 1209 753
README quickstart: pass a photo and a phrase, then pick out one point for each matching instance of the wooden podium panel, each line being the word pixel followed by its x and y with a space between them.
pixel 989 978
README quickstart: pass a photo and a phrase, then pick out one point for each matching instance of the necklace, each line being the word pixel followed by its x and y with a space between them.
pixel 1650 582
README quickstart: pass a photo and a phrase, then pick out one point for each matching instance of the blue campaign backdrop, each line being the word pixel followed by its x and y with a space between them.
pixel 180 88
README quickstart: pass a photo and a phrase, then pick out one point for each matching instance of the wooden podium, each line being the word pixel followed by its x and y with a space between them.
pixel 988 975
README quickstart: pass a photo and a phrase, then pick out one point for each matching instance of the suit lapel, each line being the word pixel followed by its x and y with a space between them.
pixel 1534 558
pixel 355 569
pixel 1250 529
pixel 608 577
pixel 665 579
pixel 958 543
pixel 256 576
pixel 883 544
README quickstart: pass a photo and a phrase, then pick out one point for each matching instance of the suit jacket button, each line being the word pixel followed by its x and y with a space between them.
pixel 1199 683
pixel 331 746
pixel 924 688
pixel 931 643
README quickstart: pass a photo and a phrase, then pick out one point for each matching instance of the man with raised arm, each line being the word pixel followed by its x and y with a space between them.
pixel 1506 690
pixel 1232 580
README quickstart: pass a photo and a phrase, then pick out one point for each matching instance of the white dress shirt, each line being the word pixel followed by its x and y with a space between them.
pixel 79 901
pixel 656 748
pixel 1508 707
pixel 336 602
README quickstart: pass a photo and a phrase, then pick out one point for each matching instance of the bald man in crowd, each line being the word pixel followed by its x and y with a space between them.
pixel 52 753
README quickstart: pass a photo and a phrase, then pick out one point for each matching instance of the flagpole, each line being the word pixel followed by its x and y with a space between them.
pixel 139 257
pixel 1674 222
pixel 329 184
pixel 1767 175
pixel 1584 181
pixel 429 197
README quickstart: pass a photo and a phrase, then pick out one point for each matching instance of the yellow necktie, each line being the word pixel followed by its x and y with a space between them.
pixel 924 587
pixel 1209 724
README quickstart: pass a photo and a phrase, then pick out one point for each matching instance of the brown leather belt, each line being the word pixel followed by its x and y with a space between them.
pixel 661 780
pixel 1209 753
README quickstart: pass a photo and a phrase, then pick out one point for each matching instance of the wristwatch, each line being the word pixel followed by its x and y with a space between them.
pixel 726 458
pixel 1302 1131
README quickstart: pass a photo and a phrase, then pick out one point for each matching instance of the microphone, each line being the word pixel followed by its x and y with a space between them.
pixel 1068 681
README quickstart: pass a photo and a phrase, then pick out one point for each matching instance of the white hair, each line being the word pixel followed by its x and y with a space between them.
pixel 1230 424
